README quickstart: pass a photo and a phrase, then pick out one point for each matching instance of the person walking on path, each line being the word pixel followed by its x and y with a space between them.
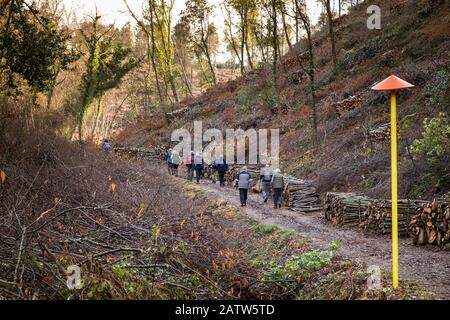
pixel 199 164
pixel 106 146
pixel 221 166
pixel 265 179
pixel 175 159
pixel 169 160
pixel 277 186
pixel 190 166
pixel 243 183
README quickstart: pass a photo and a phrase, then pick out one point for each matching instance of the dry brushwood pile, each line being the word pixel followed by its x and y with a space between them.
pixel 301 195
pixel 380 133
pixel 120 222
pixel 431 224
pixel 348 104
pixel 346 209
pixel 378 217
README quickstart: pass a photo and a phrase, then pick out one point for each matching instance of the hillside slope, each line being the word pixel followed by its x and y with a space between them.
pixel 413 43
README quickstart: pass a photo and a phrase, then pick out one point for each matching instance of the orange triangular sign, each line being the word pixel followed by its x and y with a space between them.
pixel 392 83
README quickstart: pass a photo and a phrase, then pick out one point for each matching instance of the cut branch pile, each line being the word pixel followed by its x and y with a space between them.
pixel 301 195
pixel 381 133
pixel 348 104
pixel 345 208
pixel 378 217
pixel 431 224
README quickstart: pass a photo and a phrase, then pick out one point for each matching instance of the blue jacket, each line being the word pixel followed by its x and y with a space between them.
pixel 168 155
pixel 106 147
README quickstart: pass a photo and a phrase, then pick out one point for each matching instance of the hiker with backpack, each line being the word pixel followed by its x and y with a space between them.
pixel 243 183
pixel 221 166
pixel 175 159
pixel 106 147
pixel 265 179
pixel 190 166
pixel 277 188
pixel 199 165
pixel 169 160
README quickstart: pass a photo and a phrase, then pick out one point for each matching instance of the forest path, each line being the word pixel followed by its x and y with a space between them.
pixel 414 261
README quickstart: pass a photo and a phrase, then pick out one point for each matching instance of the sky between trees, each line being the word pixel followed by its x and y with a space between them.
pixel 115 11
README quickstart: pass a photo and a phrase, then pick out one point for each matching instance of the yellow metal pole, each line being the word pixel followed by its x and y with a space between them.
pixel 394 189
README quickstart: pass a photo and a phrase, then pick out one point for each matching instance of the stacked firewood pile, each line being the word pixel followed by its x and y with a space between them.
pixel 170 116
pixel 294 60
pixel 150 154
pixel 431 224
pixel 233 171
pixel 378 217
pixel 380 133
pixel 157 153
pixel 348 104
pixel 161 151
pixel 301 195
pixel 345 208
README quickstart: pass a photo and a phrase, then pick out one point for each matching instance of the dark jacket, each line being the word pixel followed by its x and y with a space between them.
pixel 198 165
pixel 220 165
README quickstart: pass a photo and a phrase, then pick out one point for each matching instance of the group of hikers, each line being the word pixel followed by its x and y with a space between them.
pixel 271 181
pixel 195 164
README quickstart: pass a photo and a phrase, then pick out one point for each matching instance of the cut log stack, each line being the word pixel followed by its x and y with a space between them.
pixel 138 152
pixel 233 171
pixel 161 150
pixel 345 209
pixel 301 195
pixel 348 104
pixel 378 217
pixel 170 116
pixel 431 224
pixel 381 133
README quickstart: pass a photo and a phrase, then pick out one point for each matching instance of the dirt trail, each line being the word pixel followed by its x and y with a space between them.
pixel 415 261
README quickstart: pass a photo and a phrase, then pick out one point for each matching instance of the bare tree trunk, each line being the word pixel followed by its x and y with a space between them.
pixel 242 43
pixel 274 40
pixel 310 69
pixel 98 112
pixel 208 58
pixel 275 49
pixel 286 32
pixel 116 112
pixel 331 31
pixel 249 58
pixel 232 42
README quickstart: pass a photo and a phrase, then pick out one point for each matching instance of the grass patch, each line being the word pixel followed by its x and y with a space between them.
pixel 266 229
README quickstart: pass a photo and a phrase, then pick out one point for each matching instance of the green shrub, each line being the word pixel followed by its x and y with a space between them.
pixel 266 229
pixel 438 88
pixel 297 266
pixel 434 145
